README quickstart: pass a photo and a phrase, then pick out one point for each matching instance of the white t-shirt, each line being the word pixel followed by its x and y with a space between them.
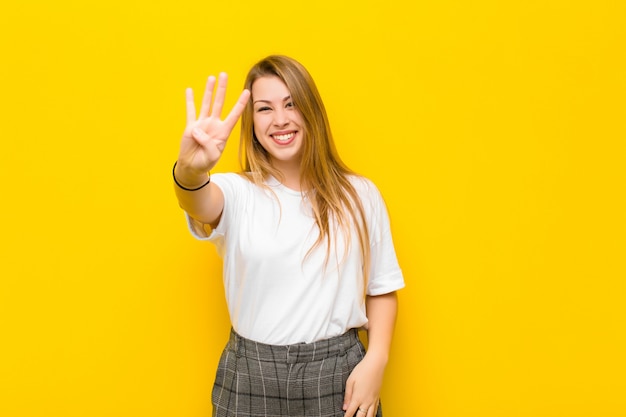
pixel 275 293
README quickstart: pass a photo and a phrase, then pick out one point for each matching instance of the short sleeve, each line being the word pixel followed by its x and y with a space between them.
pixel 385 273
pixel 231 185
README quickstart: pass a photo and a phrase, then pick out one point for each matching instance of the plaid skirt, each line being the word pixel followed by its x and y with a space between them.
pixel 306 379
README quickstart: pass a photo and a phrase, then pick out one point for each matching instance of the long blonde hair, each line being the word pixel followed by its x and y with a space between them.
pixel 323 174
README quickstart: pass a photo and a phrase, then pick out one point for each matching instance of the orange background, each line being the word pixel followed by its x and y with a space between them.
pixel 495 131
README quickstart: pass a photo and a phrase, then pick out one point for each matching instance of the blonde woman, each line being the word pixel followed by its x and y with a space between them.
pixel 306 245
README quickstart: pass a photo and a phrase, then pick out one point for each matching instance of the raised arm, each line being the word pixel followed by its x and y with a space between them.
pixel 201 147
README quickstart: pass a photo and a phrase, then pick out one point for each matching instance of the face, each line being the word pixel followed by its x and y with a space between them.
pixel 278 125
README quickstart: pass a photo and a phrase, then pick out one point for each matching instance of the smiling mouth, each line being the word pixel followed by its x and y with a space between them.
pixel 284 138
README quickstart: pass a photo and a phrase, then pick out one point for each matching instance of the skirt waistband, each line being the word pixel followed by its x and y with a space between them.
pixel 299 352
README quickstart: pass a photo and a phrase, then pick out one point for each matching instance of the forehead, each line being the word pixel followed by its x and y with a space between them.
pixel 269 88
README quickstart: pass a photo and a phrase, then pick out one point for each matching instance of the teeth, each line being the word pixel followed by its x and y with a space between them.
pixel 284 137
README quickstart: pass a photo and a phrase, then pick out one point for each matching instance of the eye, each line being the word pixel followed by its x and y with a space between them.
pixel 290 104
pixel 263 109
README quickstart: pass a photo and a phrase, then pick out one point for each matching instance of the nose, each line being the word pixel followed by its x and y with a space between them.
pixel 281 118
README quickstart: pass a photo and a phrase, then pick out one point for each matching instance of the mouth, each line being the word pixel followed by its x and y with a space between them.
pixel 284 138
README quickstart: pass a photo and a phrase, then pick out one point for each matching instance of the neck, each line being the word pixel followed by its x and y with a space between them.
pixel 290 174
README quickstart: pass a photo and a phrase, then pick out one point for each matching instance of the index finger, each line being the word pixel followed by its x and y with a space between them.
pixel 191 108
pixel 237 109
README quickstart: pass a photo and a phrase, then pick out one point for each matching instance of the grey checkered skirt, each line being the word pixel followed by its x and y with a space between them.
pixel 306 379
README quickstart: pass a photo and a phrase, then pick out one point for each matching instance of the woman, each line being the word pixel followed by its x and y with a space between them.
pixel 307 250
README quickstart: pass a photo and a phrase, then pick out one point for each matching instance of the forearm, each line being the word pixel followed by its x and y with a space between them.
pixel 365 381
pixel 381 314
pixel 201 148
pixel 204 204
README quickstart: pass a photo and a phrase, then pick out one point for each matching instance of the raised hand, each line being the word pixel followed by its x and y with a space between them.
pixel 205 137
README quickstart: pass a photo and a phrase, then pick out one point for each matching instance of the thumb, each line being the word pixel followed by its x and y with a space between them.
pixel 348 396
pixel 199 135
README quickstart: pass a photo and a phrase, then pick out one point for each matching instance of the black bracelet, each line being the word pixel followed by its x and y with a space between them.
pixel 185 188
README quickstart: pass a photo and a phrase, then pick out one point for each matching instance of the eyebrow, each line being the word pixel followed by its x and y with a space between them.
pixel 269 101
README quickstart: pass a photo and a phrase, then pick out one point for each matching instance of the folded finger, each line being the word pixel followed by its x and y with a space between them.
pixel 357 411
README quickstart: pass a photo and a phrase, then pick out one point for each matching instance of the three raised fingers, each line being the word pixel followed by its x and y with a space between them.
pixel 214 108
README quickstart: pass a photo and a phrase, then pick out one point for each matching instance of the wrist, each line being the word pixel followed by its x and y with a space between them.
pixel 190 181
pixel 380 358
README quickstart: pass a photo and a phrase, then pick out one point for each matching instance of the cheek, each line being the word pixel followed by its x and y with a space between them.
pixel 297 118
pixel 257 125
pixel 257 133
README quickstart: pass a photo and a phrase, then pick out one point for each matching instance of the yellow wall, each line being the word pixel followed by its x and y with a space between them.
pixel 495 130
